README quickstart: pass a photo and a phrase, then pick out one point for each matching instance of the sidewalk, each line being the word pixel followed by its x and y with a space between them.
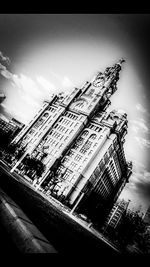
pixel 23 233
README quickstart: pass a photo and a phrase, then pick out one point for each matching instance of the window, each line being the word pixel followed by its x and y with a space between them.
pixel 78 143
pixel 111 149
pixel 60 119
pixel 93 136
pixel 46 114
pixel 80 168
pixel 91 126
pixel 85 133
pixel 66 138
pixel 76 124
pixel 97 129
pixel 76 146
pixel 95 144
pixel 56 126
pixel 90 152
pixel 85 160
pixel 96 172
pixel 39 134
pixel 86 147
pixel 38 123
pixel 52 109
pixel 90 92
pixel 60 145
pixel 31 131
pixel 101 164
pixel 67 174
pixel 45 127
pixel 106 157
pixel 60 170
pixel 71 131
pixel 71 153
pixel 73 165
pixel 78 157
pixel 65 160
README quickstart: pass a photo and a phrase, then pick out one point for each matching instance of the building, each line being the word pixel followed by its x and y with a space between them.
pixel 115 216
pixel 19 124
pixel 147 216
pixel 10 126
pixel 2 98
pixel 81 144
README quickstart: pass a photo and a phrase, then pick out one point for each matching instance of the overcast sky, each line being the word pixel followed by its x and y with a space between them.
pixel 41 54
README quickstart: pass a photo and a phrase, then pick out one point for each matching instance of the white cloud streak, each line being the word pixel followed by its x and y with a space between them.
pixel 142 142
pixel 139 125
pixel 66 82
pixel 140 108
pixel 31 92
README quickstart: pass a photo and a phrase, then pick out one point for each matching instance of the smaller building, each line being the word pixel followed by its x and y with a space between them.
pixel 147 216
pixel 10 126
pixel 115 216
pixel 18 123
pixel 2 98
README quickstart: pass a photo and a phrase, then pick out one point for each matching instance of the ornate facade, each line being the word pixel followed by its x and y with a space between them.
pixel 81 144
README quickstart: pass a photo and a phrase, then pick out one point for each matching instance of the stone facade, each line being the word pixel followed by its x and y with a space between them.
pixel 81 144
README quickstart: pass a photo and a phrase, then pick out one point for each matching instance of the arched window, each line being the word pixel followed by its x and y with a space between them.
pixel 60 119
pixel 93 136
pixel 80 141
pixel 45 115
pixel 86 146
pixel 85 133
pixel 31 131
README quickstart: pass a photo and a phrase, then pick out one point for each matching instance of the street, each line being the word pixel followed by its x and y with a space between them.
pixel 66 234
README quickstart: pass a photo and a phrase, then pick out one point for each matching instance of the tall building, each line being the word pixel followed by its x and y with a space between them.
pixel 81 144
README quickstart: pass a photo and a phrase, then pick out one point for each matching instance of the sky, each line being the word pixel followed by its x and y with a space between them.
pixel 44 54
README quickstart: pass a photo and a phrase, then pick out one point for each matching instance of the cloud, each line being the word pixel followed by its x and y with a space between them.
pixel 66 82
pixel 139 183
pixel 4 118
pixel 32 92
pixel 46 85
pixel 29 101
pixel 4 72
pixel 5 59
pixel 143 143
pixel 28 89
pixel 140 108
pixel 139 125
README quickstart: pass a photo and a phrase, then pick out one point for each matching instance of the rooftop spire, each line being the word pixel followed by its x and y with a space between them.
pixel 122 60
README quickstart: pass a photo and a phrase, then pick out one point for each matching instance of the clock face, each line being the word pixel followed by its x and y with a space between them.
pixel 98 82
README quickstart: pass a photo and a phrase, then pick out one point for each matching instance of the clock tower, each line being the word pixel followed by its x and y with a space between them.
pixel 96 94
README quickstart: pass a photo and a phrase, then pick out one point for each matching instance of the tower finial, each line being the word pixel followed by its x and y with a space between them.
pixel 122 60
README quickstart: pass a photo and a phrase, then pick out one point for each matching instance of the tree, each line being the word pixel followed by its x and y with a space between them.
pixel 19 151
pixel 130 231
pixel 33 167
pixel 5 138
